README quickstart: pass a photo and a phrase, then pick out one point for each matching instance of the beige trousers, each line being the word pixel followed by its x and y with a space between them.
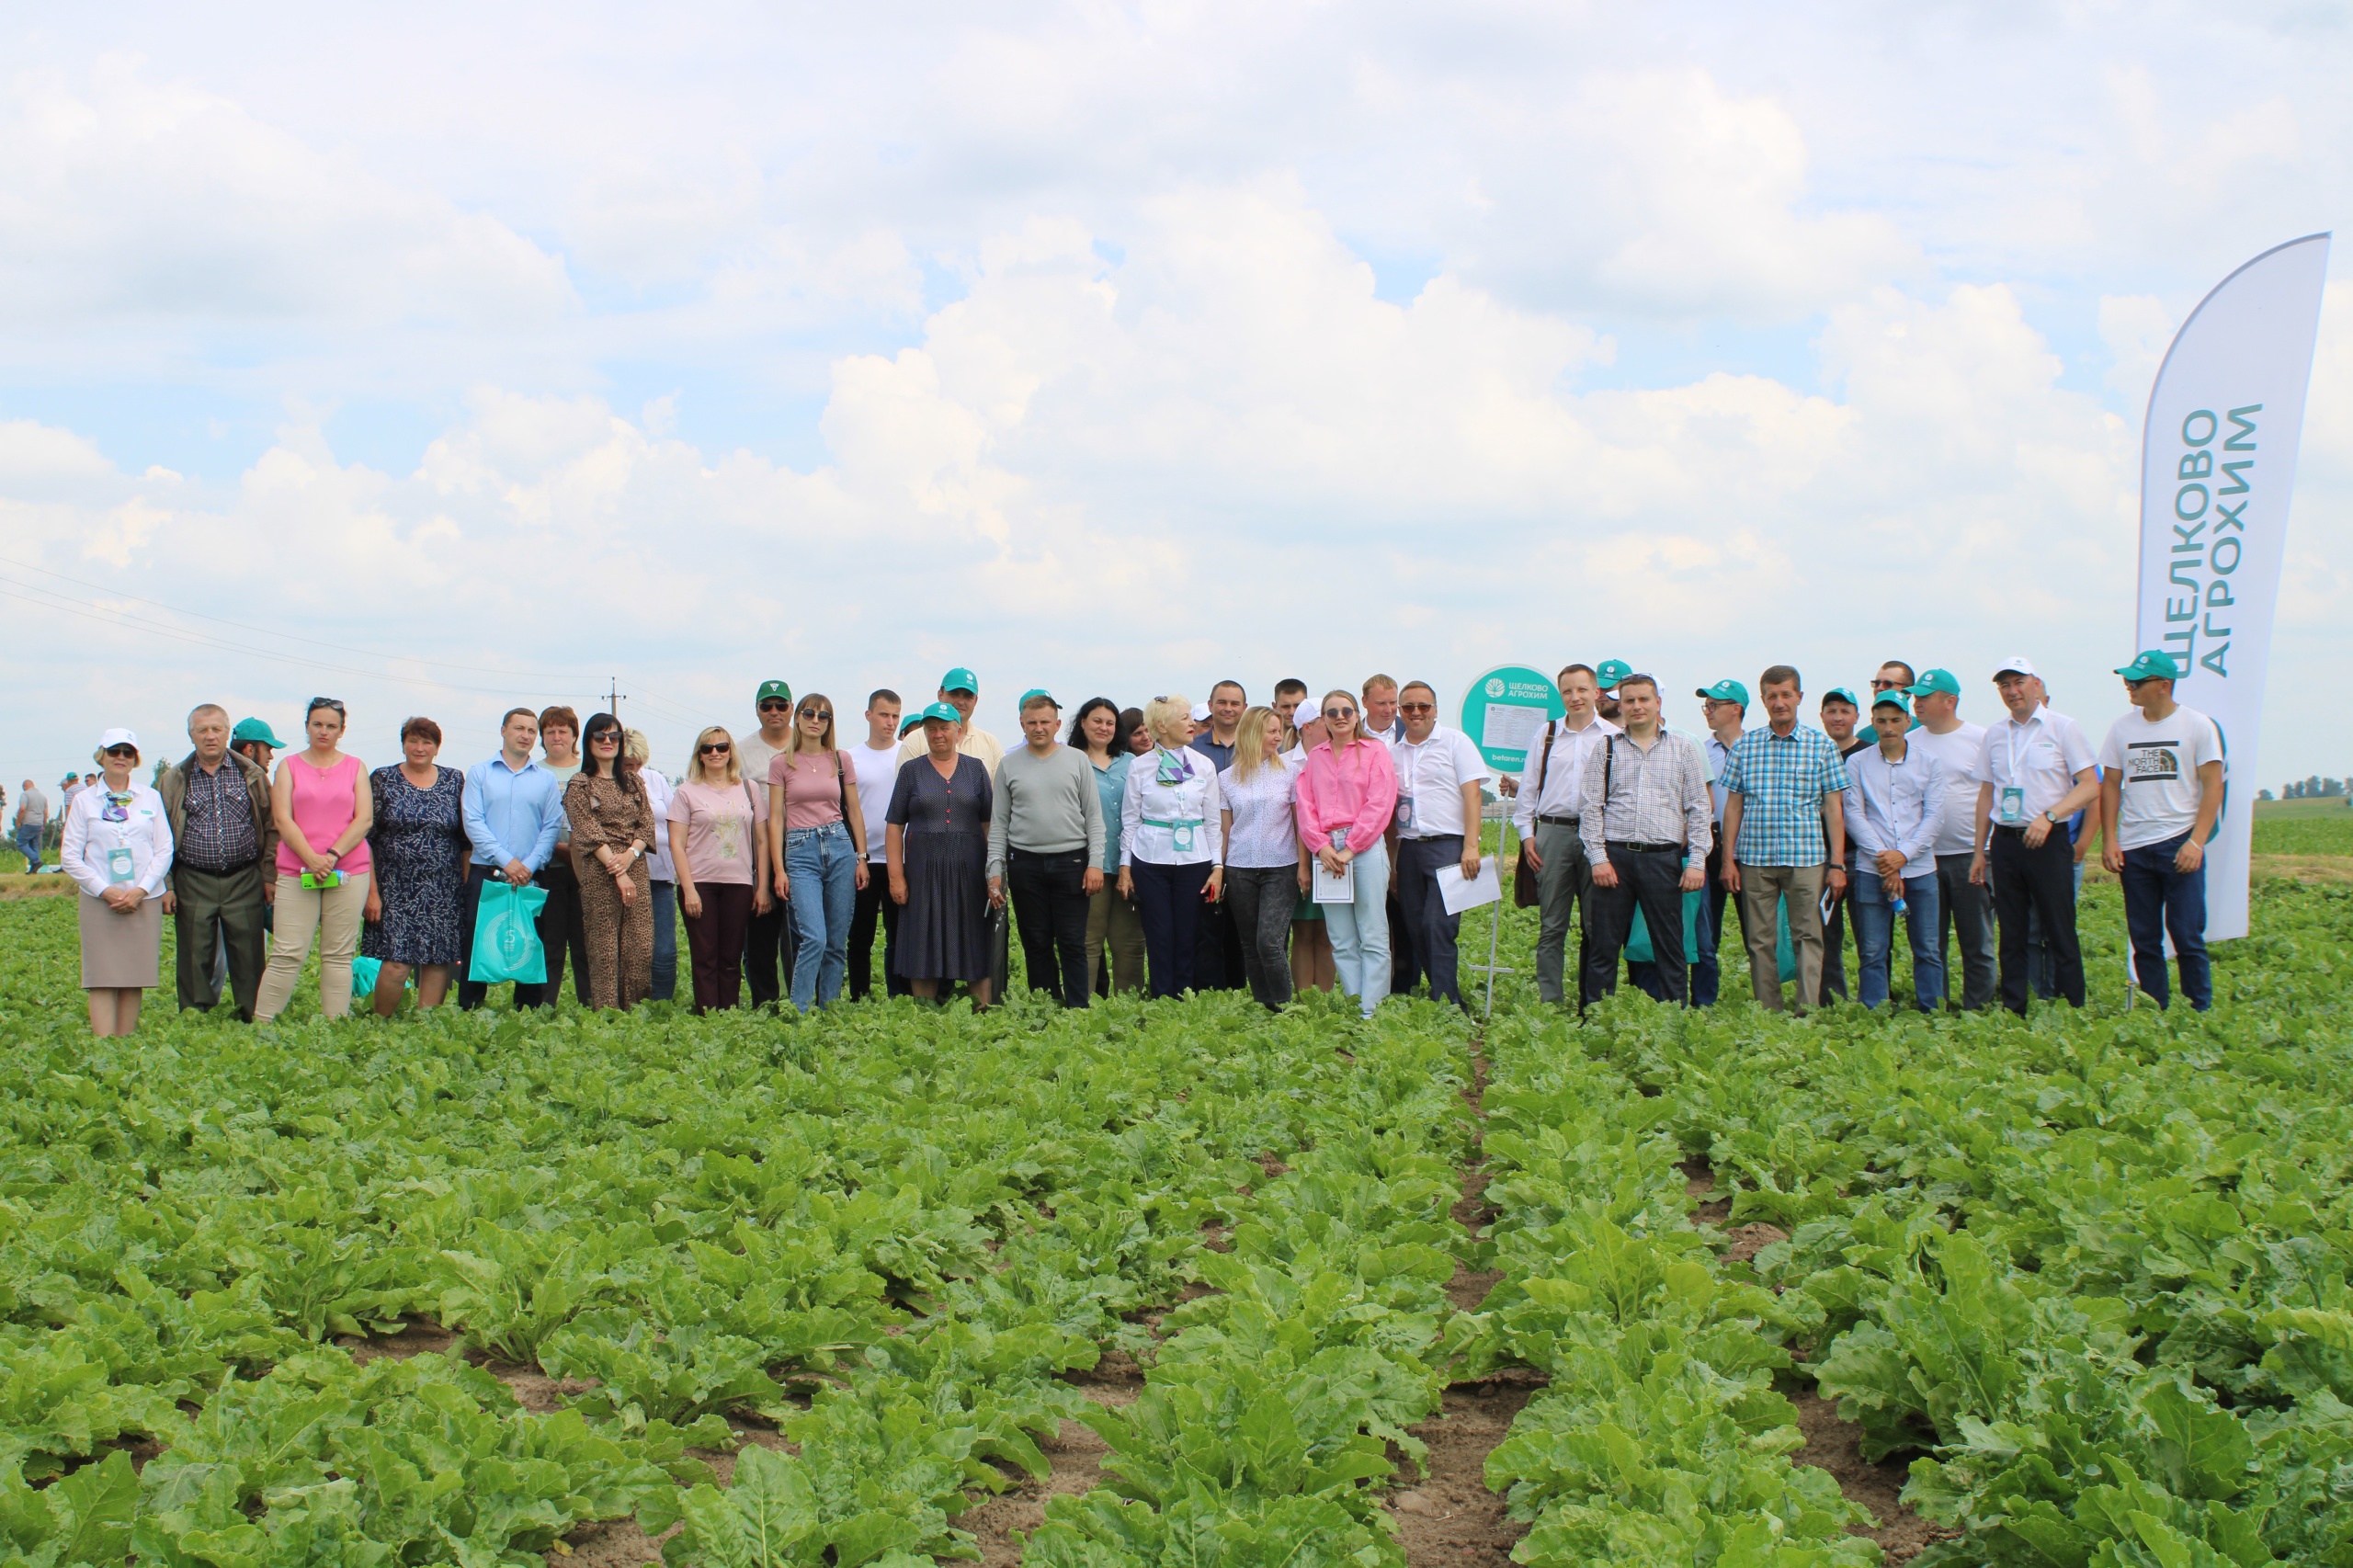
pixel 333 916
pixel 1761 888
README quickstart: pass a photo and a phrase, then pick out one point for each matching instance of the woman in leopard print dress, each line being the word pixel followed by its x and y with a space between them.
pixel 612 823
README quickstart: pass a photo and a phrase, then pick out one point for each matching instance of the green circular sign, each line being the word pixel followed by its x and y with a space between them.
pixel 1506 710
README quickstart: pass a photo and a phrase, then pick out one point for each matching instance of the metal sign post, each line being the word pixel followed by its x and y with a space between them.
pixel 1504 713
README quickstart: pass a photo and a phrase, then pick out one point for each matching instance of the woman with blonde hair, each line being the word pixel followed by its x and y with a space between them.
pixel 324 807
pixel 1171 825
pixel 613 826
pixel 118 849
pixel 816 849
pixel 1266 870
pixel 1347 791
pixel 716 823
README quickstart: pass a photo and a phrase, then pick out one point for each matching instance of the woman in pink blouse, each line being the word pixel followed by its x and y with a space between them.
pixel 324 808
pixel 1347 791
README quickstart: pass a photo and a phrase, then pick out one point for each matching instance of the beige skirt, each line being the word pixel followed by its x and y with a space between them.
pixel 121 951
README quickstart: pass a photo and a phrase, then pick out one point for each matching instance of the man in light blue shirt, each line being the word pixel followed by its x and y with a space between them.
pixel 1895 794
pixel 513 809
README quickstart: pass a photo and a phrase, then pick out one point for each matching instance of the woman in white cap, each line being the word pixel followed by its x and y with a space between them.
pixel 118 847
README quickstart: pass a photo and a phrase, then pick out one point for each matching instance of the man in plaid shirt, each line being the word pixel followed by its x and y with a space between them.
pixel 1784 817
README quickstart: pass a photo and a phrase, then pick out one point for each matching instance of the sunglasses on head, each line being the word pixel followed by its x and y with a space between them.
pixel 319 703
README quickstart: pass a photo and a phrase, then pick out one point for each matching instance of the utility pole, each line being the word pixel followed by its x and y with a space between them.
pixel 613 696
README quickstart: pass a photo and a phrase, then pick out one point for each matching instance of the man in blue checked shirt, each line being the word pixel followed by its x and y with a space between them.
pixel 1894 804
pixel 1785 794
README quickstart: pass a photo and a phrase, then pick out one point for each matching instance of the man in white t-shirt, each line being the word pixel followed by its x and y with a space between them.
pixel 2160 791
pixel 2034 772
pixel 1963 908
pixel 876 760
pixel 1439 775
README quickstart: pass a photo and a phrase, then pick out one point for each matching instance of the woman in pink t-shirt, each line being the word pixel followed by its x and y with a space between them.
pixel 816 849
pixel 324 808
pixel 717 818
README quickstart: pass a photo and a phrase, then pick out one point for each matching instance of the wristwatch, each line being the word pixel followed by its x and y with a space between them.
pixel 2054 819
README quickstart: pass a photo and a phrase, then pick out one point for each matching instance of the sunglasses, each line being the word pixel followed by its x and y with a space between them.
pixel 823 715
pixel 130 752
pixel 602 736
pixel 716 748
pixel 1416 707
pixel 1886 685
pixel 1339 712
pixel 772 706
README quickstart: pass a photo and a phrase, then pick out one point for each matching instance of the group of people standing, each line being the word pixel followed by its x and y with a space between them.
pixel 1169 846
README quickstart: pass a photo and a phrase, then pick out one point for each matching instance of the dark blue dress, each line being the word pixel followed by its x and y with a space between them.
pixel 943 931
pixel 418 846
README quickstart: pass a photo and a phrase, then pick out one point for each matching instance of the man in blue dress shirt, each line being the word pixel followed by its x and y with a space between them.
pixel 514 808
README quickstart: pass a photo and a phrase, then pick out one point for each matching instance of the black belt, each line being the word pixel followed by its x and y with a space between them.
pixel 1646 848
pixel 2006 827
pixel 1558 822
pixel 217 870
pixel 1018 853
pixel 1425 838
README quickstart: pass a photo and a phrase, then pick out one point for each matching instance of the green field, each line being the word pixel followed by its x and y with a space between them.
pixel 1186 1283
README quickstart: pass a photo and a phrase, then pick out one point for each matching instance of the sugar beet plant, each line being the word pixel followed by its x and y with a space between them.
pixel 2091 1271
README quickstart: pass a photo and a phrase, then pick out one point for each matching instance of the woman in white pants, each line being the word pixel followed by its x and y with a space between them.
pixel 1347 791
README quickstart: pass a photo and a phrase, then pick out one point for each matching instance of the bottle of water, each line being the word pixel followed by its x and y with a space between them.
pixel 1899 903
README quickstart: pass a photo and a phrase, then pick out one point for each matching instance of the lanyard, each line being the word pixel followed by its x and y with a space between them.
pixel 2011 746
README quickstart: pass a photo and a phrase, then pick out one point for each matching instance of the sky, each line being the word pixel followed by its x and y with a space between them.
pixel 438 358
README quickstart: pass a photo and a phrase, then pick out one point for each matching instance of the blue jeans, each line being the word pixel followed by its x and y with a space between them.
pixel 1874 920
pixel 1359 931
pixel 822 864
pixel 2160 902
pixel 28 843
pixel 665 942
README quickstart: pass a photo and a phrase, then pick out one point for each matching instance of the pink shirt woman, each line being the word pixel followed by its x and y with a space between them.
pixel 1354 788
pixel 325 800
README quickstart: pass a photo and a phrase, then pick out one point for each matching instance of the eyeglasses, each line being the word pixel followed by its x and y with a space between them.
pixel 1416 707
pixel 1883 684
pixel 1339 712
pixel 716 748
pixel 823 715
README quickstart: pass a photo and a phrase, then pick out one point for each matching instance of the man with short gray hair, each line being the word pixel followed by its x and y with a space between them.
pixel 32 820
pixel 223 832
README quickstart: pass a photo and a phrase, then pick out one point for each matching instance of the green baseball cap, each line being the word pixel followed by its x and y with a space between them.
pixel 942 710
pixel 1611 672
pixel 254 729
pixel 1724 691
pixel 773 688
pixel 911 723
pixel 2153 664
pixel 960 679
pixel 1935 681
pixel 1034 693
pixel 1892 699
pixel 1839 694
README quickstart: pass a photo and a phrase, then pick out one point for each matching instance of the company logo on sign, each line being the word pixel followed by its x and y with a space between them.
pixel 1496 687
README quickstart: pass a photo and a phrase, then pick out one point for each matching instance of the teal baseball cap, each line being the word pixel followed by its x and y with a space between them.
pixel 941 710
pixel 1724 691
pixel 2153 664
pixel 1034 694
pixel 1839 694
pixel 1892 699
pixel 960 679
pixel 1611 672
pixel 1935 681
pixel 254 729
pixel 910 725
pixel 773 688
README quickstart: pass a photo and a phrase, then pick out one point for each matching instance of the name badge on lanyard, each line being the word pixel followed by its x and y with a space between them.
pixel 118 866
pixel 2013 813
pixel 1405 795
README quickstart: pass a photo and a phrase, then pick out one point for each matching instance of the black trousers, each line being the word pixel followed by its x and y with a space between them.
pixel 472 991
pixel 769 943
pixel 1404 963
pixel 1260 899
pixel 1651 879
pixel 563 928
pixel 1049 903
pixel 1834 955
pixel 1169 902
pixel 1218 960
pixel 2041 880
pixel 874 904
pixel 226 908
pixel 1428 924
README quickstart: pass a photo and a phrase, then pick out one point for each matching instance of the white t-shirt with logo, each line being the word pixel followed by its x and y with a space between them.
pixel 1956 752
pixel 2158 763
pixel 877 775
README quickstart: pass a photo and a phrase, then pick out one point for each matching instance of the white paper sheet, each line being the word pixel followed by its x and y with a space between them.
pixel 1330 889
pixel 1459 892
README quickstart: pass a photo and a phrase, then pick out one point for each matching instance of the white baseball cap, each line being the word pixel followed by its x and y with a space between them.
pixel 2016 664
pixel 118 738
pixel 1201 712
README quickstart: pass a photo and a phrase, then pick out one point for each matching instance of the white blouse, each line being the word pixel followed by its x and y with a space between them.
pixel 1265 820
pixel 1173 823
pixel 92 843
